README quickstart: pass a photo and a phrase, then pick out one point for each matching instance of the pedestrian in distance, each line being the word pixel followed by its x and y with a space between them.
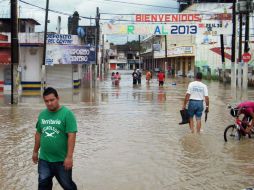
pixel 148 76
pixel 196 93
pixel 135 77
pixel 55 138
pixel 169 70
pixel 139 76
pixel 161 78
pixel 117 78
pixel 113 75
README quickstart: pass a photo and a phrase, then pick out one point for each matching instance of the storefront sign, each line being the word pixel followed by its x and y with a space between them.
pixel 38 38
pixel 59 39
pixel 58 54
pixel 150 29
pixel 5 56
pixel 177 51
pixel 156 47
pixel 3 38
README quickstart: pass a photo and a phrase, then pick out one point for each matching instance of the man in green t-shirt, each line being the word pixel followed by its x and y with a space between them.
pixel 55 140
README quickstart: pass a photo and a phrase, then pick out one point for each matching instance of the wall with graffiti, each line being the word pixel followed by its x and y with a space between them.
pixel 216 19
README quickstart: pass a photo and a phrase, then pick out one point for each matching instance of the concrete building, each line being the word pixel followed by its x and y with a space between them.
pixel 123 57
pixel 187 54
pixel 65 71
pixel 179 58
pixel 26 28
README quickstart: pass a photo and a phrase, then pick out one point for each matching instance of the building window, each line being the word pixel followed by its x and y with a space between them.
pixel 129 56
pixel 22 27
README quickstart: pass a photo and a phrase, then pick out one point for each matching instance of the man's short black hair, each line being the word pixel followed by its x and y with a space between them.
pixel 199 76
pixel 50 90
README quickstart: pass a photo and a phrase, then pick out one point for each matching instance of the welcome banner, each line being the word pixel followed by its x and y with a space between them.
pixel 175 17
pixel 151 29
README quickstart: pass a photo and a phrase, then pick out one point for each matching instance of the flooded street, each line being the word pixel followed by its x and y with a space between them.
pixel 129 139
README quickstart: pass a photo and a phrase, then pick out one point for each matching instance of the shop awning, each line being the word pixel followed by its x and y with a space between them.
pixel 5 57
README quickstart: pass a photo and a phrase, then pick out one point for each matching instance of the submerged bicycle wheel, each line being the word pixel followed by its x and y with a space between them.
pixel 231 133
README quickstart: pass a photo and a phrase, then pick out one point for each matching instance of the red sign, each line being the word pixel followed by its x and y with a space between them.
pixel 3 38
pixel 246 57
pixel 167 17
pixel 5 57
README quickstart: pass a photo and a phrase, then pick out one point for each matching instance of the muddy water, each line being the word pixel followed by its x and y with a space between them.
pixel 129 139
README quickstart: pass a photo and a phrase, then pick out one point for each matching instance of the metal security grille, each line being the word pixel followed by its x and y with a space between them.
pixel 59 76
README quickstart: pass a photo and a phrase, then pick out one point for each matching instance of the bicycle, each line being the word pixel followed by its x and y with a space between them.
pixel 237 130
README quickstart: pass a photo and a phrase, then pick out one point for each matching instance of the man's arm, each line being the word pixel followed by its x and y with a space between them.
pixel 207 103
pixel 186 99
pixel 37 138
pixel 68 162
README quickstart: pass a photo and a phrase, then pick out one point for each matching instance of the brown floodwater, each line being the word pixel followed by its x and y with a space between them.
pixel 129 139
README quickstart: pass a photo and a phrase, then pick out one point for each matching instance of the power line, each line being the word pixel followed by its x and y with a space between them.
pixel 137 4
pixel 116 14
pixel 3 1
pixel 141 4
pixel 68 14
pixel 124 20
pixel 54 11
pixel 63 13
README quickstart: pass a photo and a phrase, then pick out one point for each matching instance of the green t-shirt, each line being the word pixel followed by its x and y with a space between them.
pixel 54 128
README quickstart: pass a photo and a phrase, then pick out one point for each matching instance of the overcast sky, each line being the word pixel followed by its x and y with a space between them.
pixel 86 8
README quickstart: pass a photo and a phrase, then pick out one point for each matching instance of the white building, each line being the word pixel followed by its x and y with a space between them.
pixel 59 74
pixel 123 57
pixel 187 54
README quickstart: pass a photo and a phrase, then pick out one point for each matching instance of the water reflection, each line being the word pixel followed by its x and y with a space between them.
pixel 129 138
pixel 149 93
pixel 161 95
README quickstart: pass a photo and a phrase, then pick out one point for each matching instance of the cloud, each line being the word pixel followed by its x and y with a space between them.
pixel 86 8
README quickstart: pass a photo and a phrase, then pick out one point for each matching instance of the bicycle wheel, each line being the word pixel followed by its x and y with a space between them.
pixel 231 133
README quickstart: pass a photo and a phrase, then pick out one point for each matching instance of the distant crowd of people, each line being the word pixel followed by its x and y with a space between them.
pixel 137 75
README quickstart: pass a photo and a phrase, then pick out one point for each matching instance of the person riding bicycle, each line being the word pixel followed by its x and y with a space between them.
pixel 247 109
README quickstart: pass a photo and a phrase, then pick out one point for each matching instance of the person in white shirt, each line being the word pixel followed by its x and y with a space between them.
pixel 196 93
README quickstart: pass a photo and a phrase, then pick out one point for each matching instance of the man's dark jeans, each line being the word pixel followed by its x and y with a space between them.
pixel 48 170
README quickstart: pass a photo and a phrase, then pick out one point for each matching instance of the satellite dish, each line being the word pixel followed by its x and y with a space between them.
pixel 81 32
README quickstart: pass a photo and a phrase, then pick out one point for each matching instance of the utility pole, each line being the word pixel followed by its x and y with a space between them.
pixel 222 58
pixel 246 43
pixel 43 68
pixel 97 38
pixel 166 54
pixel 239 81
pixel 102 52
pixel 245 7
pixel 153 61
pixel 59 25
pixel 233 63
pixel 14 48
pixel 139 51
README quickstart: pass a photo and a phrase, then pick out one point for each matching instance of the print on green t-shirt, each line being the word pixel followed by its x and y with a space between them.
pixel 54 128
